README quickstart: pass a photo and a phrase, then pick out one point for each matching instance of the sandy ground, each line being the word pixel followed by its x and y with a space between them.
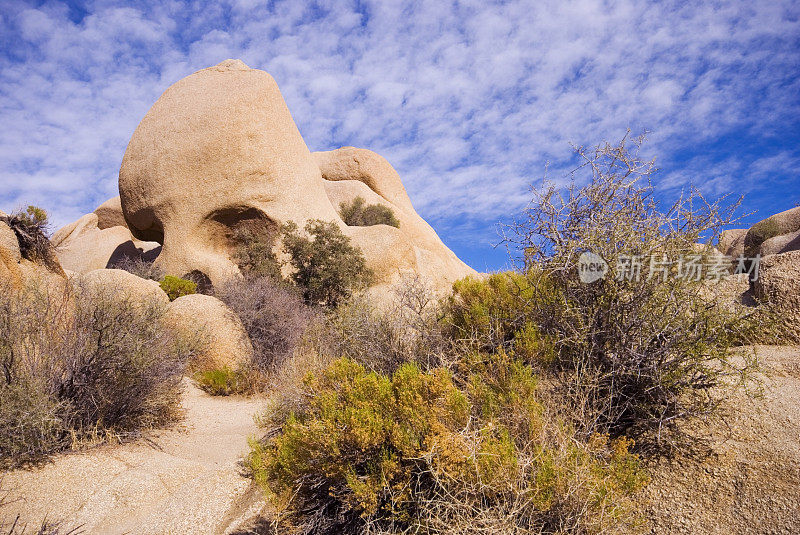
pixel 184 480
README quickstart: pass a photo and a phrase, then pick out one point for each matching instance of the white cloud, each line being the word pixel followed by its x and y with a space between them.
pixel 468 100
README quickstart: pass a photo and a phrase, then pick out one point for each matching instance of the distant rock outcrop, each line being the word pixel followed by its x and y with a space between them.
pixel 220 149
pixel 100 240
pixel 778 225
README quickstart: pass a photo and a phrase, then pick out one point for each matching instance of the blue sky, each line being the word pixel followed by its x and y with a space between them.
pixel 470 101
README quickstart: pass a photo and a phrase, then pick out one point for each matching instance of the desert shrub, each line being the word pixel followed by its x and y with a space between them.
pixel 31 227
pixel 141 267
pixel 176 287
pixel 360 214
pixel 327 268
pixel 273 316
pixel 633 355
pixel 222 381
pixel 412 452
pixel 79 364
pixel 254 252
pixel 405 328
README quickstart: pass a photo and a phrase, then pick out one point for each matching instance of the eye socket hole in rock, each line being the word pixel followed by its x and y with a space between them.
pixel 250 237
pixel 146 226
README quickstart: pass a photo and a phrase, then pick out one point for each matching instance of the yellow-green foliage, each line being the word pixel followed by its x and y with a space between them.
pixel 221 381
pixel 493 312
pixel 176 287
pixel 371 447
pixel 489 308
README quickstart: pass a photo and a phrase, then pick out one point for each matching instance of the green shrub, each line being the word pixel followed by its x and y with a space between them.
pixel 327 268
pixel 360 214
pixel 222 381
pixel 176 287
pixel 412 452
pixel 82 364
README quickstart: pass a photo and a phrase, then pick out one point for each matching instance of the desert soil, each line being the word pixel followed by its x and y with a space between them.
pixel 183 480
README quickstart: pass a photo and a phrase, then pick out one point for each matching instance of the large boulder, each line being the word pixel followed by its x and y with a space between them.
pixel 731 242
pixel 109 214
pixel 122 286
pixel 85 245
pixel 778 283
pixel 223 340
pixel 780 224
pixel 781 244
pixel 219 150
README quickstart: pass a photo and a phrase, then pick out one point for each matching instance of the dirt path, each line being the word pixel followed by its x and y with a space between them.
pixel 184 480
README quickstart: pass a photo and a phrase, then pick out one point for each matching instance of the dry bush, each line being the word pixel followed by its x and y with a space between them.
pixel 382 337
pixel 78 364
pixel 139 266
pixel 632 356
pixel 31 227
pixel 273 316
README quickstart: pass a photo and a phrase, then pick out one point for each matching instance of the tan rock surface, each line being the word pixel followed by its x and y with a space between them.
pixel 84 245
pixel 414 247
pixel 220 149
pixel 185 480
pixel 109 214
pixel 779 224
pixel 217 147
pixel 779 284
pixel 731 242
pixel 350 163
pixel 781 244
pixel 122 285
pixel 748 483
pixel 224 340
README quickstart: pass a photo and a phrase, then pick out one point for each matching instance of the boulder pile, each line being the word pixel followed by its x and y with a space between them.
pixel 218 150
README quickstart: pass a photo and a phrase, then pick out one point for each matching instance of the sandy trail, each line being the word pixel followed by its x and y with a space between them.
pixel 183 480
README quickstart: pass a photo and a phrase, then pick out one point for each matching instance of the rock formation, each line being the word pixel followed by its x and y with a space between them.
pixel 224 341
pixel 100 240
pixel 778 225
pixel 220 149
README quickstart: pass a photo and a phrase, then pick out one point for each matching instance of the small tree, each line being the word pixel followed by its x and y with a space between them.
pixel 635 353
pixel 327 268
pixel 360 214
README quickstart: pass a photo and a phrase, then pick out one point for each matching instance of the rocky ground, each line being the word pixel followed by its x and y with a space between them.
pixel 183 480
pixel 749 483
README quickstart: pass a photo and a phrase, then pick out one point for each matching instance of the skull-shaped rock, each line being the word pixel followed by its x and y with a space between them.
pixel 219 149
